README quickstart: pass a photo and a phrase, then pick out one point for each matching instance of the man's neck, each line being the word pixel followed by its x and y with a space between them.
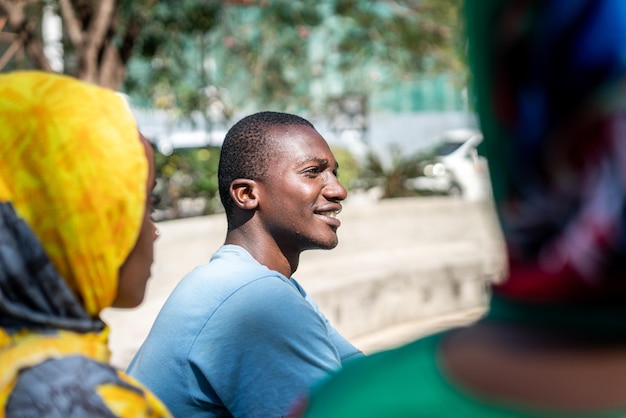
pixel 265 251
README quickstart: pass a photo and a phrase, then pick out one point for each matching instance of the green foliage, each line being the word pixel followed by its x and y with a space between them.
pixel 187 183
pixel 349 167
pixel 170 21
pixel 257 52
pixel 405 37
pixel 390 176
pixel 284 54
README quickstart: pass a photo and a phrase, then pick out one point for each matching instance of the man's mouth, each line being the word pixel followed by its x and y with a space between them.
pixel 330 217
pixel 329 213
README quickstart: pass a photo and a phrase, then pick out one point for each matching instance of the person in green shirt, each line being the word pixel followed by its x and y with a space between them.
pixel 550 81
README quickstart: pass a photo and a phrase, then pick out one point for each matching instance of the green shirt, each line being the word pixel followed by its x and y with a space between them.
pixel 408 382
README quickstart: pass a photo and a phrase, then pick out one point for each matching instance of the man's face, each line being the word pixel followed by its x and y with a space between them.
pixel 300 198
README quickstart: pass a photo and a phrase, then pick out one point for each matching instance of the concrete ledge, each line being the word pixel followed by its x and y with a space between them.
pixel 404 296
pixel 404 332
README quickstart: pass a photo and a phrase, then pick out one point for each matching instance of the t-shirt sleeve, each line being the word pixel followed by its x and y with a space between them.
pixel 345 349
pixel 262 348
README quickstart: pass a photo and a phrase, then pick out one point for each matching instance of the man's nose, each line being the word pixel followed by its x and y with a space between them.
pixel 334 190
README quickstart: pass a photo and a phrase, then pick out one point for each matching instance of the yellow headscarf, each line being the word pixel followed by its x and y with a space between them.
pixel 73 167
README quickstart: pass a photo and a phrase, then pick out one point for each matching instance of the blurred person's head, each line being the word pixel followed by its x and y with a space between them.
pixel 551 86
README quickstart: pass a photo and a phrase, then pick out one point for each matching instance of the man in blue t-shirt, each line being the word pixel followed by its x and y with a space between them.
pixel 239 336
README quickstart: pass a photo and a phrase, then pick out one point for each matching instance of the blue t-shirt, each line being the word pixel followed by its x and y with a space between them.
pixel 236 338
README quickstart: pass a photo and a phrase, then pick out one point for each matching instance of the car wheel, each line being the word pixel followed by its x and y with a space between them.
pixel 455 191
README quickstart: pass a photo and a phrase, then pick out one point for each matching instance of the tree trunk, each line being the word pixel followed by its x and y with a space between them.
pixel 24 30
pixel 88 32
pixel 90 27
pixel 112 70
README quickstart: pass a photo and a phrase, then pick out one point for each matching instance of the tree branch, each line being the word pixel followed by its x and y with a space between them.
pixel 72 25
pixel 128 40
pixel 24 35
pixel 100 23
pixel 14 11
pixel 34 49
pixel 8 54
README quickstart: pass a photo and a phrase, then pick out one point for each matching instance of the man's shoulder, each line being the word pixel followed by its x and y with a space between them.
pixel 265 291
pixel 229 266
pixel 226 278
pixel 208 295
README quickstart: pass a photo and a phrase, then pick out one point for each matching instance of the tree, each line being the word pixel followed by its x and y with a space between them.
pixel 254 53
pixel 390 177
pixel 402 38
pixel 99 36
pixel 295 55
pixel 287 54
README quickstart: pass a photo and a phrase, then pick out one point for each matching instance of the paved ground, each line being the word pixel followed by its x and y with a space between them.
pixel 403 268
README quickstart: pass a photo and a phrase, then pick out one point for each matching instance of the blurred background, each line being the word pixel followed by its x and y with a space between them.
pixel 385 82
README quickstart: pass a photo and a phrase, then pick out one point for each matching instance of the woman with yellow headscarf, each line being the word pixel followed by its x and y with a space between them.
pixel 75 238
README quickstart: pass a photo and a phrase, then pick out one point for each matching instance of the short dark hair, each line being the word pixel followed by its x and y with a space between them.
pixel 245 151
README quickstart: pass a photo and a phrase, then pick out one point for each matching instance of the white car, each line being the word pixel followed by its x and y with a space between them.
pixel 166 144
pixel 456 169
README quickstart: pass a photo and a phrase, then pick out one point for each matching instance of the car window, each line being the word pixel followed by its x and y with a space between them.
pixel 447 148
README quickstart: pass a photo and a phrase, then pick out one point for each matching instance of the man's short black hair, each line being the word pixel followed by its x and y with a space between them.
pixel 246 150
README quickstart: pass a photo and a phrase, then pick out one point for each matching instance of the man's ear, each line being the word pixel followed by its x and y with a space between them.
pixel 244 193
